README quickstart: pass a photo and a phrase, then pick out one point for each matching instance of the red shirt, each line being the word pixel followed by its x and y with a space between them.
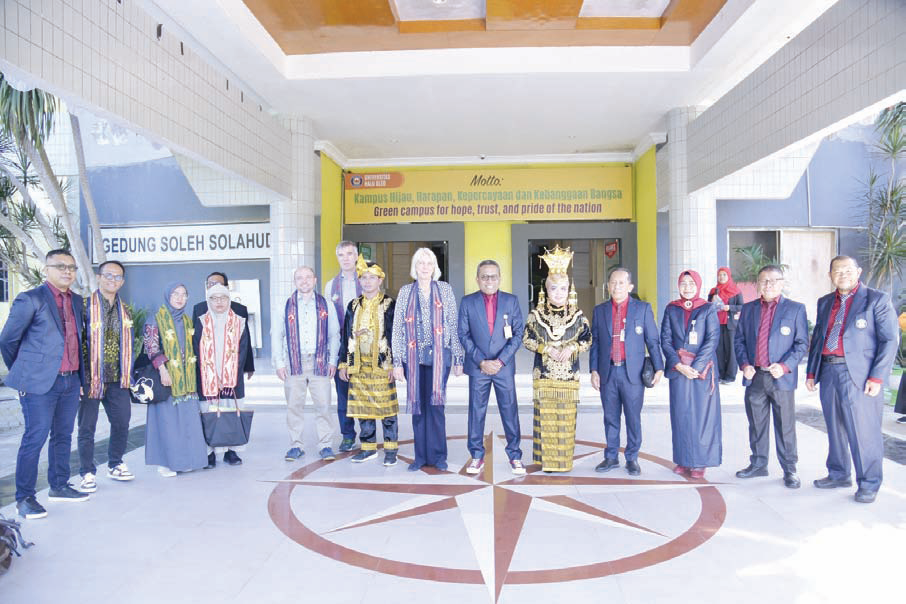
pixel 70 334
pixel 838 351
pixel 617 348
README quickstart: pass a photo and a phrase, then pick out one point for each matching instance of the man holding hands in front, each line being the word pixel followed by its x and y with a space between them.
pixel 622 328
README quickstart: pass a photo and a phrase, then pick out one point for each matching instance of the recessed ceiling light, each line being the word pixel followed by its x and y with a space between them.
pixel 440 1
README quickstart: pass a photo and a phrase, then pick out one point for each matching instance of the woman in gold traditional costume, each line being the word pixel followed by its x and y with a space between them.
pixel 556 331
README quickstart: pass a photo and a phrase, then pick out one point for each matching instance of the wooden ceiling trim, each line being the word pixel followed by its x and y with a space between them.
pixel 619 23
pixel 449 25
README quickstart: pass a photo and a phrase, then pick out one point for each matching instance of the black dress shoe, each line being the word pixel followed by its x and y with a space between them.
pixel 829 483
pixel 632 467
pixel 791 480
pixel 750 471
pixel 212 461
pixel 231 458
pixel 607 465
pixel 866 496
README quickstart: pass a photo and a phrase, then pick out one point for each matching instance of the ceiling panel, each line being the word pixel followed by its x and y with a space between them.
pixel 429 10
pixel 624 8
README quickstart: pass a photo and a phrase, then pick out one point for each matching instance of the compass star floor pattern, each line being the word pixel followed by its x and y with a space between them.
pixel 229 535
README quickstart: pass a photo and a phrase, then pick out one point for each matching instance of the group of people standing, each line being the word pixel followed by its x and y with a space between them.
pixel 67 357
pixel 68 360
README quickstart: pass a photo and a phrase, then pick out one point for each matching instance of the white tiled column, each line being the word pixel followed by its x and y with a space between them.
pixel 293 219
pixel 693 217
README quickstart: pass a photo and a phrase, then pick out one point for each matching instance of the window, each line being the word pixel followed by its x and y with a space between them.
pixel 4 283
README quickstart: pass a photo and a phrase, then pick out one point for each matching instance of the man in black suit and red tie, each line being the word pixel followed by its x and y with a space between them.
pixel 853 347
pixel 771 338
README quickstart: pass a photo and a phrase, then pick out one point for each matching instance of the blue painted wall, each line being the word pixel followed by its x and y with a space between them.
pixel 157 192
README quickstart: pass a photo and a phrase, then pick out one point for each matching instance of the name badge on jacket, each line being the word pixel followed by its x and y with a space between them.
pixel 693 335
pixel 507 330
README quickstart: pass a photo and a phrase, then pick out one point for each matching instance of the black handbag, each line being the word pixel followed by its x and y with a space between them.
pixel 146 387
pixel 227 428
pixel 648 373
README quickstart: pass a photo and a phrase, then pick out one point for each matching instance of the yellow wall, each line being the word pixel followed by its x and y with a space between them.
pixel 331 215
pixel 489 240
pixel 644 177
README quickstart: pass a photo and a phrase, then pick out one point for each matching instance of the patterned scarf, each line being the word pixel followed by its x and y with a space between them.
pixel 292 335
pixel 438 395
pixel 336 295
pixel 214 379
pixel 96 329
pixel 182 374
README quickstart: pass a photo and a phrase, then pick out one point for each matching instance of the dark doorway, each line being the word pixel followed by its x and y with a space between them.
pixel 395 257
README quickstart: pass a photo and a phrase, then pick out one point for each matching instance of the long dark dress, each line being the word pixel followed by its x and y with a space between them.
pixel 727 368
pixel 173 435
pixel 694 404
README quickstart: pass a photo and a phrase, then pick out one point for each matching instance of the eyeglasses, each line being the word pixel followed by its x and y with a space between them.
pixel 219 298
pixel 489 277
pixel 769 282
pixel 64 268
pixel 112 277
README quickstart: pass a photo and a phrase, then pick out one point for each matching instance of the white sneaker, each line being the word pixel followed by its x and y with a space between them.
pixel 88 484
pixel 120 472
pixel 166 472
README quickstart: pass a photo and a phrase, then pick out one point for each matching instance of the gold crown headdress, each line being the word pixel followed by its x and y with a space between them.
pixel 361 267
pixel 557 260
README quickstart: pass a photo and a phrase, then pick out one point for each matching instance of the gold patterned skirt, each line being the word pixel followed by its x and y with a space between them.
pixel 371 395
pixel 554 427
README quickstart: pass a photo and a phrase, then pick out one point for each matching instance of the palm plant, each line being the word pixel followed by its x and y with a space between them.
pixel 753 259
pixel 883 202
pixel 26 121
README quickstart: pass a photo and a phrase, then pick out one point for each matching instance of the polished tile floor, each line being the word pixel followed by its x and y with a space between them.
pixel 338 532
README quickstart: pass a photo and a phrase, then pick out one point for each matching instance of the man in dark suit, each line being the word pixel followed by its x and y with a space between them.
pixel 218 278
pixel 771 339
pixel 41 345
pixel 490 330
pixel 853 347
pixel 622 328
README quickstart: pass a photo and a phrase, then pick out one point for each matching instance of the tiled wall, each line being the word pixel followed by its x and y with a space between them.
pixel 851 57
pixel 105 56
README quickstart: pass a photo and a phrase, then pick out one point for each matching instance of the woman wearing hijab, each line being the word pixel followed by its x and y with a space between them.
pixel 556 331
pixel 690 333
pixel 727 298
pixel 425 346
pixel 174 440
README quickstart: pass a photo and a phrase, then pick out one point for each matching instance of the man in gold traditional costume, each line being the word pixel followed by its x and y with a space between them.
pixel 365 362
pixel 556 331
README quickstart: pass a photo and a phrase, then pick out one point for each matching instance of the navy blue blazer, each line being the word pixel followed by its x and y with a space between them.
pixel 481 345
pixel 871 336
pixel 32 340
pixel 640 332
pixel 787 342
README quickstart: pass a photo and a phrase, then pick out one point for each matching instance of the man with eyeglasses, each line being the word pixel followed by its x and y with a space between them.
pixel 853 348
pixel 490 331
pixel 108 367
pixel 218 278
pixel 771 338
pixel 41 345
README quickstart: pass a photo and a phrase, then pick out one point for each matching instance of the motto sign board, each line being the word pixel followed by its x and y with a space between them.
pixel 468 194
pixel 187 243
